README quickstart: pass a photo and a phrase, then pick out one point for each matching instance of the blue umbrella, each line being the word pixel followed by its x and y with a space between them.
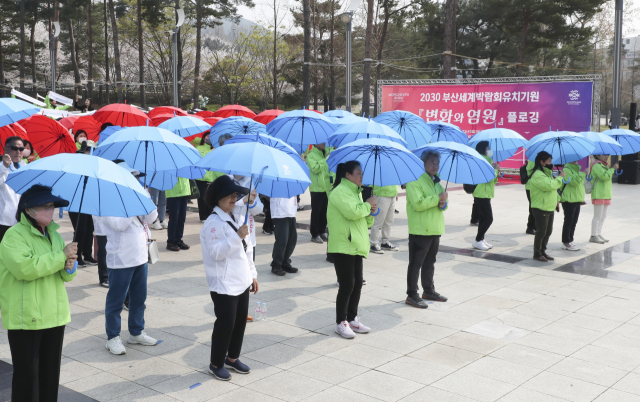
pixel 347 133
pixel 301 128
pixel 564 146
pixel 460 163
pixel 338 114
pixel 443 131
pixel 605 145
pixel 235 125
pixel 106 133
pixel 347 120
pixel 503 141
pixel 14 110
pixel 185 126
pixel 629 140
pixel 167 179
pixel 410 127
pixel 270 141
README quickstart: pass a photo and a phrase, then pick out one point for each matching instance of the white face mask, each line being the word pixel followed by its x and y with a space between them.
pixel 81 139
pixel 26 153
pixel 489 153
pixel 43 217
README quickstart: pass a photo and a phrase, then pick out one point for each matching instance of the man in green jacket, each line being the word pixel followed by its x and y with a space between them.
pixel 531 220
pixel 52 104
pixel 572 198
pixel 321 180
pixel 426 201
pixel 482 196
pixel 386 200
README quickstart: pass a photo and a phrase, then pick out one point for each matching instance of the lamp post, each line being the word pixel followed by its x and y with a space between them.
pixel 347 18
pixel 617 60
pixel 52 54
pixel 174 51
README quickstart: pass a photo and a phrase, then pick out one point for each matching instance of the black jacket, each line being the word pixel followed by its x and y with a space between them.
pixel 81 107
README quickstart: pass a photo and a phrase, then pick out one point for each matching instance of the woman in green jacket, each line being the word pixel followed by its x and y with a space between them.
pixel 34 264
pixel 544 200
pixel 349 220
pixel 572 198
pixel 601 195
pixel 482 212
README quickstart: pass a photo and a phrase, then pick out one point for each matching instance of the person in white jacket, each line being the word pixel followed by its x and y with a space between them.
pixel 11 161
pixel 255 208
pixel 283 214
pixel 127 257
pixel 231 275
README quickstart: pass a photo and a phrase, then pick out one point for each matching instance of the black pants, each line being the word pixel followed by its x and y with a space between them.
pixel 3 230
pixel 203 209
pixel 83 233
pixel 571 214
pixel 228 330
pixel 36 356
pixel 422 259
pixel 531 220
pixel 286 236
pixel 103 274
pixel 349 272
pixel 544 225
pixel 474 212
pixel 268 223
pixel 482 206
pixel 319 203
pixel 177 216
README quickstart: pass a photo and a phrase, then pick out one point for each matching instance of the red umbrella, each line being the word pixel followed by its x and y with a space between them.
pixel 89 125
pixel 212 120
pixel 11 130
pixel 234 110
pixel 166 109
pixel 160 118
pixel 121 115
pixel 47 136
pixel 317 111
pixel 69 121
pixel 205 113
pixel 268 115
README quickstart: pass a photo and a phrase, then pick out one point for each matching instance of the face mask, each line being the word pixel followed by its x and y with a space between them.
pixel 26 153
pixel 490 153
pixel 43 217
pixel 207 141
pixel 82 139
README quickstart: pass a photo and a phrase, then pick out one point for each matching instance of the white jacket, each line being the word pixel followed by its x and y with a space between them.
pixel 8 198
pixel 241 209
pixel 127 240
pixel 230 270
pixel 98 226
pixel 284 207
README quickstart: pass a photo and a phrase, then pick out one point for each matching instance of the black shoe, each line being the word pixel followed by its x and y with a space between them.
pixel 329 259
pixel 548 257
pixel 172 247
pixel 105 284
pixel 324 237
pixel 396 211
pixel 182 245
pixel 125 305
pixel 290 270
pixel 472 223
pixel 364 281
pixel 415 301
pixel 531 231
pixel 90 261
pixel 435 296
pixel 267 232
pixel 237 366
pixel 81 263
pixel 278 271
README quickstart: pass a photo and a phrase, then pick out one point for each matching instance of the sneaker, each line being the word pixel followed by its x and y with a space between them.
pixel 115 346
pixel 172 247
pixel 570 247
pixel 329 259
pixel 540 258
pixel 474 223
pixel 125 305
pixel 81 263
pixel 415 301
pixel 488 245
pixel 324 237
pixel 549 258
pixel 596 239
pixel 376 250
pixel 364 282
pixel 396 211
pixel 221 373
pixel 156 226
pixel 433 295
pixel 278 271
pixel 90 261
pixel 531 231
pixel 300 208
pixel 267 232
pixel 357 326
pixel 105 284
pixel 480 245
pixel 142 339
pixel 164 224
pixel 182 245
pixel 317 239
pixel 290 269
pixel 603 239
pixel 237 366
pixel 388 247
pixel 344 330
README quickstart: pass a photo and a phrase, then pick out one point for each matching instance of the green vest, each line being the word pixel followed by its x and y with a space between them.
pixel 349 219
pixel 423 207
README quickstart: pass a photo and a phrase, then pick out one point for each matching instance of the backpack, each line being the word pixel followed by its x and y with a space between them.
pixel 589 185
pixel 469 188
pixel 524 176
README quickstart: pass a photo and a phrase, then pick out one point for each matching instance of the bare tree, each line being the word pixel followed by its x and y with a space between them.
pixel 449 60
pixel 141 54
pixel 116 52
pixel 366 76
pixel 90 48
pixel 306 78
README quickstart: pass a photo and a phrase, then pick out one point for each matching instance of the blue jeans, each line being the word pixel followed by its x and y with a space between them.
pixel 177 217
pixel 160 199
pixel 121 280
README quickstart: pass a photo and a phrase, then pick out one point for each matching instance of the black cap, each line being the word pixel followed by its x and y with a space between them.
pixel 222 187
pixel 39 195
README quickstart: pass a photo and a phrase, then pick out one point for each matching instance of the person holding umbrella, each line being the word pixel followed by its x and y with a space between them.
pixel 320 186
pixel 80 136
pixel 34 265
pixel 572 198
pixel 177 199
pixel 11 161
pixel 482 196
pixel 601 195
pixel 205 147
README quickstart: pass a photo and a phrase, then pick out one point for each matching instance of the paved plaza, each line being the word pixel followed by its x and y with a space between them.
pixel 513 329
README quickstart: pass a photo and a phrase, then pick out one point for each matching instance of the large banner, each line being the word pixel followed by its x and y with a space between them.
pixel 528 109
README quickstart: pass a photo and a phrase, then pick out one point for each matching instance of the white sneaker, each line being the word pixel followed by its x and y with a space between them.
pixel 164 224
pixel 142 339
pixel 357 326
pixel 344 331
pixel 603 239
pixel 115 346
pixel 480 245
pixel 570 247
pixel 156 226
pixel 487 244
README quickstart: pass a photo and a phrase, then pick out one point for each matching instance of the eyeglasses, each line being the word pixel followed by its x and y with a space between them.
pixel 14 148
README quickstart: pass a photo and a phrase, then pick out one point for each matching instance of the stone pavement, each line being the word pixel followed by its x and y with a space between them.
pixel 513 330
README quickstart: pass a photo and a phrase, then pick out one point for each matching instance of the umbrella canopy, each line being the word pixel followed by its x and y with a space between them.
pixel 605 145
pixel 234 110
pixel 161 110
pixel 503 142
pixel 383 162
pixel 268 115
pixel 14 110
pixel 122 115
pixel 301 128
pixel 185 126
pixel 268 140
pixel 47 136
pixel 92 185
pixel 11 130
pixel 68 121
pixel 564 146
pixel 412 128
pixel 629 140
pixel 235 126
pixel 338 121
pixel 338 114
pixel 89 125
pixel 460 163
pixel 160 118
pixel 443 131
pixel 167 179
pixel 347 133
pixel 205 113
pixel 212 120
pixel 106 133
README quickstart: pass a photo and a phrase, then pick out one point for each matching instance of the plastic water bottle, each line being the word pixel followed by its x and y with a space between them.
pixel 264 311
pixel 258 314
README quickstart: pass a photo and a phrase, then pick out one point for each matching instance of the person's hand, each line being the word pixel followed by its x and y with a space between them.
pixel 48 93
pixel 616 166
pixel 443 196
pixel 6 160
pixel 69 264
pixel 243 231
pixel 583 203
pixel 252 196
pixel 71 251
pixel 442 204
pixel 562 173
pixel 396 198
pixel 372 202
pixel 254 286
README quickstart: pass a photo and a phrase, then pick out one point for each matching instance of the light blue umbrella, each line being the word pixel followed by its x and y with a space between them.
pixel 301 128
pixel 605 145
pixel 503 142
pixel 235 125
pixel 564 146
pixel 412 128
pixel 185 126
pixel 14 110
pixel 629 140
pixel 460 163
pixel 167 179
pixel 347 133
pixel 338 114
pixel 264 138
pixel 443 131
pixel 106 133
pixel 347 120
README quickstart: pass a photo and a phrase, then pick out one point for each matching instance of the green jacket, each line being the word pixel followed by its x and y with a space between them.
pixel 530 166
pixel 181 189
pixel 423 211
pixel 32 276
pixel 486 190
pixel 49 106
pixel 349 219
pixel 544 190
pixel 319 169
pixel 210 176
pixel 385 191
pixel 602 189
pixel 574 190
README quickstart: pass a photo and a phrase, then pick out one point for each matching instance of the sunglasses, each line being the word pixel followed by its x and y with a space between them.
pixel 14 148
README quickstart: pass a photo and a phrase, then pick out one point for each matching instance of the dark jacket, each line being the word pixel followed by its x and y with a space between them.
pixel 81 107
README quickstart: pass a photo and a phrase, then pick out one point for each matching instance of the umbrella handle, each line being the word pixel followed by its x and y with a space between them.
pixel 501 175
pixel 588 177
pixel 60 215
pixel 565 181
pixel 72 271
pixel 254 203
pixel 377 213
pixel 619 172
pixel 445 205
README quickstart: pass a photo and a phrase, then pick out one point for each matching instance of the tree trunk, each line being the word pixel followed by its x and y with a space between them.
pixel 33 51
pixel 22 45
pixel 74 61
pixel 383 35
pixel 196 78
pixel 106 52
pixel 275 55
pixel 366 76
pixel 90 57
pixel 332 78
pixel 523 42
pixel 141 56
pixel 315 58
pixel 177 4
pixel 306 79
pixel 116 51
pixel 449 61
pixel 3 90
